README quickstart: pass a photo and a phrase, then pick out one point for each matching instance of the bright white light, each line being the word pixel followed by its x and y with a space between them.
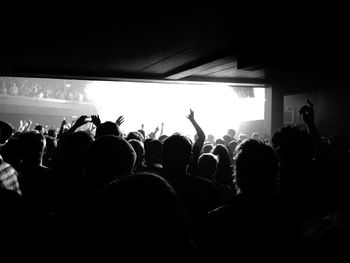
pixel 217 107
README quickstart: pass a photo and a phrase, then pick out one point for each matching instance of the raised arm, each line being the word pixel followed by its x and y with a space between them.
pixel 120 120
pixel 198 144
pixel 83 119
pixel 21 126
pixel 161 129
pixel 29 124
pixel 308 114
pixel 60 132
pixel 199 131
pixel 152 135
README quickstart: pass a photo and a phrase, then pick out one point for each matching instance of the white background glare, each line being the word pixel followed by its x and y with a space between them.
pixel 217 108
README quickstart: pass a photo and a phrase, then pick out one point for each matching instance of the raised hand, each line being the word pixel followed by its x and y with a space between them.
pixel 83 119
pixel 307 112
pixel 191 115
pixel 64 122
pixel 142 126
pixel 95 119
pixel 120 120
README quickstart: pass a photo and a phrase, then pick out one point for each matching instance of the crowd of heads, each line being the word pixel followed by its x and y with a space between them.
pixel 137 192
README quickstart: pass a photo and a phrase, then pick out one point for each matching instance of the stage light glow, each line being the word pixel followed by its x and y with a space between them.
pixel 217 107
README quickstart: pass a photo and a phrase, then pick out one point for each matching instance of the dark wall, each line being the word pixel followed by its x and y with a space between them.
pixel 332 109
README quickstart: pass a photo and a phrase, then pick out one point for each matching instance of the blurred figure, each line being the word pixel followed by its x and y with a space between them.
pixel 141 216
pixel 224 172
pixel 198 195
pixel 255 220
pixel 108 158
pixel 255 136
pixel 231 133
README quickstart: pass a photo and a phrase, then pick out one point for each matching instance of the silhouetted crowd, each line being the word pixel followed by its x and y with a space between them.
pixel 99 193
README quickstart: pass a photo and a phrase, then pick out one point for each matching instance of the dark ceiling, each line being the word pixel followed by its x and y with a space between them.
pixel 206 42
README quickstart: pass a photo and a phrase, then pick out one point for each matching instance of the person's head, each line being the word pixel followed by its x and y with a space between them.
pixel 32 145
pixel 242 137
pixel 255 136
pixel 134 136
pixel 256 167
pixel 39 128
pixel 10 151
pixel 139 150
pixel 71 150
pixel 107 158
pixel 207 148
pixel 142 132
pixel 141 211
pixel 107 128
pixel 162 138
pixel 227 139
pixel 232 147
pixel 224 169
pixel 219 141
pixel 293 145
pixel 52 133
pixel 6 131
pixel 176 153
pixel 210 138
pixel 153 150
pixel 231 133
pixel 221 151
pixel 207 165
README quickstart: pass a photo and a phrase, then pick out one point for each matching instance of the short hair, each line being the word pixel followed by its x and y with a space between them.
pixel 153 150
pixel 107 128
pixel 207 148
pixel 291 143
pixel 256 166
pixel 135 136
pixel 138 148
pixel 107 158
pixel 242 137
pixel 143 211
pixel 71 150
pixel 32 145
pixel 52 133
pixel 255 135
pixel 219 141
pixel 210 137
pixel 227 139
pixel 162 138
pixel 232 146
pixel 231 132
pixel 207 163
pixel 177 151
